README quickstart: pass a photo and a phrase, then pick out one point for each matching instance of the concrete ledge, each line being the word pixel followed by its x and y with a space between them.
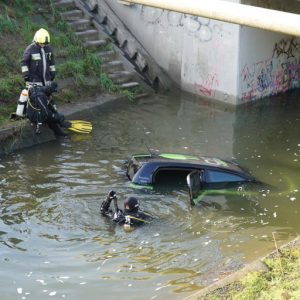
pixel 21 134
pixel 255 266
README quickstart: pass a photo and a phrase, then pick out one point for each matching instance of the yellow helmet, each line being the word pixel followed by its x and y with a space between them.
pixel 42 36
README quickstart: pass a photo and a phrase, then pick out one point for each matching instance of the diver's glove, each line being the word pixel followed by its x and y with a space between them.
pixel 105 204
pixel 112 195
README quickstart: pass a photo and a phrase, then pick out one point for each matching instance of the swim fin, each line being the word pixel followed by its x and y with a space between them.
pixel 80 126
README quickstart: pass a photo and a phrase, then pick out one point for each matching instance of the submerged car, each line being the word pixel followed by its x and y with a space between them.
pixel 198 173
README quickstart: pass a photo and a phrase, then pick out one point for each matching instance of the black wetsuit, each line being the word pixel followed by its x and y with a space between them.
pixel 41 109
pixel 121 217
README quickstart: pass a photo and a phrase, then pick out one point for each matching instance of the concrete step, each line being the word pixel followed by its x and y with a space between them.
pixel 72 15
pixel 95 44
pixel 88 35
pixel 65 3
pixel 70 81
pixel 107 56
pixel 121 76
pixel 129 85
pixel 141 95
pixel 80 25
pixel 113 66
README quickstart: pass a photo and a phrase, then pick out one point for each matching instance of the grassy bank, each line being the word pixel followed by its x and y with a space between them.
pixel 18 23
pixel 282 282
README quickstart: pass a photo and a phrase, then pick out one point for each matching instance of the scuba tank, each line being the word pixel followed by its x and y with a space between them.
pixel 22 103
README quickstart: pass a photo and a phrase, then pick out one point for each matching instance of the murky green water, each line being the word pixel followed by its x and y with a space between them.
pixel 54 243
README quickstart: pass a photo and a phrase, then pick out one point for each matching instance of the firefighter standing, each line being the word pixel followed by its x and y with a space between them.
pixel 38 69
pixel 38 61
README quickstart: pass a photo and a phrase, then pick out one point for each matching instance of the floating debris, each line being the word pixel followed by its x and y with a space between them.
pixel 42 281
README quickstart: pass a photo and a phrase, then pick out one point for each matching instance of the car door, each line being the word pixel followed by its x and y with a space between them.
pixel 195 184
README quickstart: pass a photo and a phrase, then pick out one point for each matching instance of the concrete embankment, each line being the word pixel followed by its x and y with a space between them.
pixel 21 134
pixel 222 288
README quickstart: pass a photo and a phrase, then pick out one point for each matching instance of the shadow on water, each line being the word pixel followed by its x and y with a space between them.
pixel 54 242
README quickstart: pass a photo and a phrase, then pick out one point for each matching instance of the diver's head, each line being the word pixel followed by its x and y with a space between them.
pixel 131 205
pixel 50 88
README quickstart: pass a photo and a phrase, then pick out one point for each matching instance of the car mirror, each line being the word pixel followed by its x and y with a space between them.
pixel 194 182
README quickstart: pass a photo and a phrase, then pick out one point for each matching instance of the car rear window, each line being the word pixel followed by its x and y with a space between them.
pixel 216 176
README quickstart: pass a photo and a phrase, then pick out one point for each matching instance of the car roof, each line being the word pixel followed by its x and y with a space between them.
pixel 142 168
pixel 179 160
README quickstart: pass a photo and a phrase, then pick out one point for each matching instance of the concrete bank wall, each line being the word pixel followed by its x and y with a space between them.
pixel 214 59
pixel 21 135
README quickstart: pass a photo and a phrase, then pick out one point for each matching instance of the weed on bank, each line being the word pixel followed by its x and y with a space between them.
pixel 282 282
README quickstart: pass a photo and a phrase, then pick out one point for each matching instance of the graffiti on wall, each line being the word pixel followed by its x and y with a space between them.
pixel 208 85
pixel 269 77
pixel 272 76
pixel 200 28
pixel 286 47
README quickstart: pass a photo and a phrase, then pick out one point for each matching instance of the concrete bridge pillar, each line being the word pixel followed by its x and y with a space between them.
pixel 214 59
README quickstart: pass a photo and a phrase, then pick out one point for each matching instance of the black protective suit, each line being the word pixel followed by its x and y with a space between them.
pixel 38 64
pixel 130 217
pixel 41 109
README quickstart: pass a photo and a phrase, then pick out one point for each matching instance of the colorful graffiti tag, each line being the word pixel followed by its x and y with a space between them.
pixel 272 76
pixel 289 48
pixel 208 85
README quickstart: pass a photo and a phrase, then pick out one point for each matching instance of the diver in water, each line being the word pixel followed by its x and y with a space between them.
pixel 131 216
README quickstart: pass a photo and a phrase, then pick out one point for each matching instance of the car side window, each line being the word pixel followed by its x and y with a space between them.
pixel 216 176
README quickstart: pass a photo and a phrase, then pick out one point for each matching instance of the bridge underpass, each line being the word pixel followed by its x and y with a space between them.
pixel 208 57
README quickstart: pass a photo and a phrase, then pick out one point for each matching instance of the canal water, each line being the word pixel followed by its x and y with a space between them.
pixel 55 244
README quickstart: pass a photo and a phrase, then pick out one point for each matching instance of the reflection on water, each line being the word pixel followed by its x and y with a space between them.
pixel 53 241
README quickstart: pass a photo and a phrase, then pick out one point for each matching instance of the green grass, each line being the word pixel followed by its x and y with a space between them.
pixel 106 83
pixel 93 62
pixel 3 66
pixel 281 282
pixel 28 29
pixel 7 25
pixel 10 87
pixel 24 6
pixel 80 68
pixel 6 110
pixel 71 69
